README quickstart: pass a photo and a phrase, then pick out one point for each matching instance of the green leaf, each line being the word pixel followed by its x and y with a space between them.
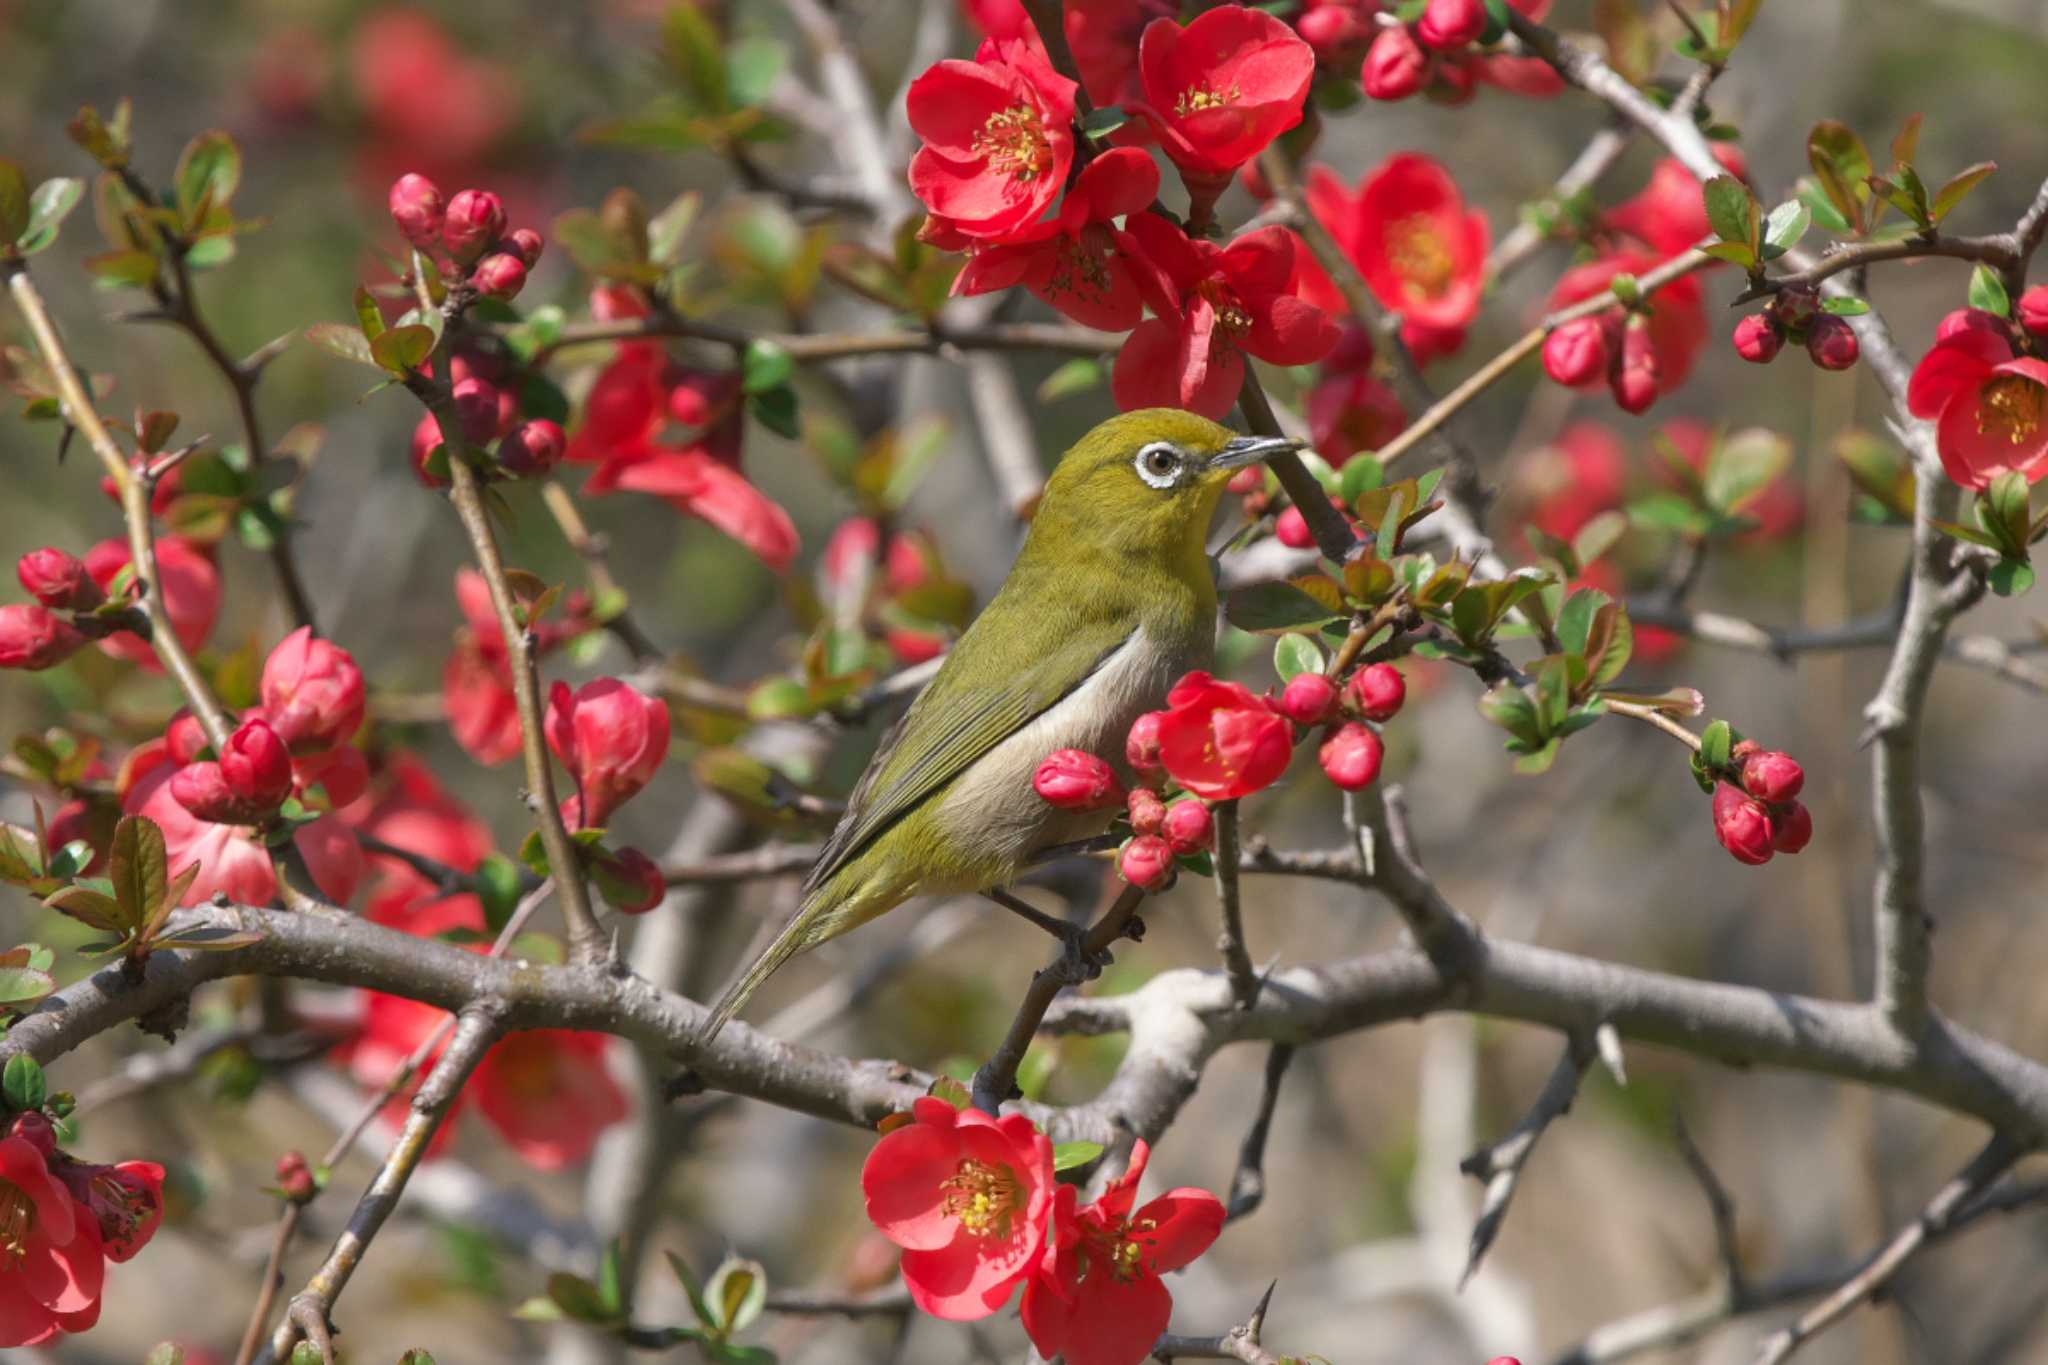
pixel 579 1299
pixel 1102 122
pixel 1670 512
pixel 1735 253
pixel 21 987
pixel 499 886
pixel 1735 18
pixel 209 172
pixel 752 67
pixel 402 349
pixel 1715 743
pixel 1742 466
pixel 13 202
pixel 1078 375
pixel 1958 186
pixel 1731 210
pixel 1987 291
pixel 23 1085
pixel 1822 208
pixel 1538 760
pixel 695 54
pixel 765 366
pixel 208 939
pixel 2010 577
pixel 610 1287
pixel 1273 608
pixel 1842 163
pixel 1295 655
pixel 368 314
pixel 122 269
pixel 680 1268
pixel 776 409
pixel 92 909
pixel 1844 305
pixel 1510 708
pixel 48 207
pixel 1786 225
pixel 1576 619
pixel 138 867
pixel 1068 1155
pixel 344 341
pixel 736 1294
pixel 1360 475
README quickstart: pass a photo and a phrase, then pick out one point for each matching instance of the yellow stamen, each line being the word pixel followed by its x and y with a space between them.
pixel 1419 254
pixel 1015 143
pixel 2010 406
pixel 1079 270
pixel 982 1197
pixel 1196 98
pixel 1230 314
pixel 17 1221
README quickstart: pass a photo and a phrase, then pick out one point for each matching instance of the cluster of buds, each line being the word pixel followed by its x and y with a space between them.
pixel 295 1178
pixel 1352 751
pixel 613 738
pixel 1161 831
pixel 1434 55
pixel 486 393
pixel 1760 815
pixel 1617 344
pixel 471 229
pixel 45 633
pixel 1796 315
pixel 1291 528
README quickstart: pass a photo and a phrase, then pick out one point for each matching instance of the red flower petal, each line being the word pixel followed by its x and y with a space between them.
pixel 1184 1223
pixel 1956 364
pixel 1147 373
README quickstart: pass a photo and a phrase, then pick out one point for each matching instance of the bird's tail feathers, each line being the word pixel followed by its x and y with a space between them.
pixel 793 939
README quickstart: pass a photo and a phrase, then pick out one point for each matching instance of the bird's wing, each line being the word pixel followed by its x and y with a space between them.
pixel 970 707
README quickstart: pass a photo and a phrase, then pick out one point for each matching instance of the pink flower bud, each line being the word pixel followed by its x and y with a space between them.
pixel 35 638
pixel 1074 779
pixel 1635 370
pixel 1772 776
pixel 476 401
pixel 1189 827
pixel 202 789
pixel 1291 529
pixel 256 766
pixel 1351 756
pixel 58 580
pixel 1307 699
pixel 524 243
pixel 1141 748
pixel 612 737
pixel 629 881
pixel 500 275
pixel 312 692
pixel 1147 862
pixel 1378 691
pixel 1743 826
pixel 2032 310
pixel 1758 339
pixel 1832 343
pixel 1147 811
pixel 1450 24
pixel 426 439
pixel 475 219
pixel 1250 479
pixel 294 1176
pixel 1795 829
pixel 532 449
pixel 1396 67
pixel 1576 354
pixel 185 738
pixel 417 208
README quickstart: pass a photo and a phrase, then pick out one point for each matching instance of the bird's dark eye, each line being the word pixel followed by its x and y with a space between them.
pixel 1159 464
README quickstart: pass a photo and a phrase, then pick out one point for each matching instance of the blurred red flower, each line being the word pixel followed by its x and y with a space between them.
pixel 1990 407
pixel 1071 260
pixel 52 1267
pixel 1351 408
pixel 1409 233
pixel 191 589
pixel 612 737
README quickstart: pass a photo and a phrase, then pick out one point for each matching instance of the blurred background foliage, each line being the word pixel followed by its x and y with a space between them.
pixel 1611 854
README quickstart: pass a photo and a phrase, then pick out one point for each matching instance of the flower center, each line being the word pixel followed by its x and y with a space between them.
pixel 1231 316
pixel 1419 254
pixel 2010 406
pixel 982 1197
pixel 1114 1250
pixel 1196 98
pixel 1079 269
pixel 17 1221
pixel 1014 142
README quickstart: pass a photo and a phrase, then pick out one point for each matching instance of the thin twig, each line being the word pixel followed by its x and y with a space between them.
pixel 1594 160
pixel 1500 1165
pixel 814 347
pixel 1237 960
pixel 1720 1204
pixel 1240 1343
pixel 592 550
pixel 1248 1183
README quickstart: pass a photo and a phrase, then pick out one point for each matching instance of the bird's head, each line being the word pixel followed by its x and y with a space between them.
pixel 1147 483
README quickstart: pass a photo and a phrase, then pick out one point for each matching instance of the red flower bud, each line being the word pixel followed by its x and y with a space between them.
pixel 2032 310
pixel 294 1176
pixel 36 1130
pixel 629 880
pixel 202 789
pixel 1794 308
pixel 1449 24
pixel 1378 691
pixel 1189 827
pixel 612 737
pixel 426 439
pixel 1396 67
pixel 58 580
pixel 417 208
pixel 1758 338
pixel 256 766
pixel 1576 353
pixel 475 219
pixel 1337 32
pixel 1291 529
pixel 524 243
pixel 532 449
pixel 1351 756
pixel 1247 481
pixel 1744 748
pixel 1141 749
pixel 312 692
pixel 1074 779
pixel 1147 811
pixel 1147 862
pixel 185 738
pixel 1772 776
pixel 1743 826
pixel 500 275
pixel 1307 699
pixel 1832 343
pixel 1795 829
pixel 477 402
pixel 1635 370
pixel 35 638
pixel 1456 80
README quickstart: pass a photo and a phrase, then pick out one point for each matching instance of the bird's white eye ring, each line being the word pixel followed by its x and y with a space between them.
pixel 1159 464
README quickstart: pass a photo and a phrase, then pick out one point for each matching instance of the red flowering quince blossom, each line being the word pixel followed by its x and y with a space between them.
pixel 998 138
pixel 1989 406
pixel 968 1198
pixel 52 1266
pixel 1677 328
pixel 1409 233
pixel 1097 1297
pixel 313 693
pixel 1213 305
pixel 1351 408
pixel 1581 474
pixel 476 682
pixel 612 737
pixel 630 406
pixel 1220 740
pixel 230 858
pixel 191 592
pixel 1071 261
pixel 1220 90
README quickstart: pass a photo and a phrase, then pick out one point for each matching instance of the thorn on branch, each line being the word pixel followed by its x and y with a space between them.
pixel 1500 1165
pixel 1248 1185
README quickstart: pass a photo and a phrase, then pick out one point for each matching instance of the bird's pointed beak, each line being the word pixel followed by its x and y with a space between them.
pixel 1248 450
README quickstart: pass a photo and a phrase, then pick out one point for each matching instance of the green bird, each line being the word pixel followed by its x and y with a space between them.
pixel 1110 601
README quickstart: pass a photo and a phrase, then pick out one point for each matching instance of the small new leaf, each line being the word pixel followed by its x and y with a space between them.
pixel 1987 291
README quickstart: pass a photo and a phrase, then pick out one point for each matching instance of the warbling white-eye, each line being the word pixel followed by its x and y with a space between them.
pixel 1110 601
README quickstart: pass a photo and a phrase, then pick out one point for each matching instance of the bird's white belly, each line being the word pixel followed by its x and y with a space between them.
pixel 993 808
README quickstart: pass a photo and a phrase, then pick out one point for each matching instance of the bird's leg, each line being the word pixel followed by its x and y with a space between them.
pixel 1076 964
